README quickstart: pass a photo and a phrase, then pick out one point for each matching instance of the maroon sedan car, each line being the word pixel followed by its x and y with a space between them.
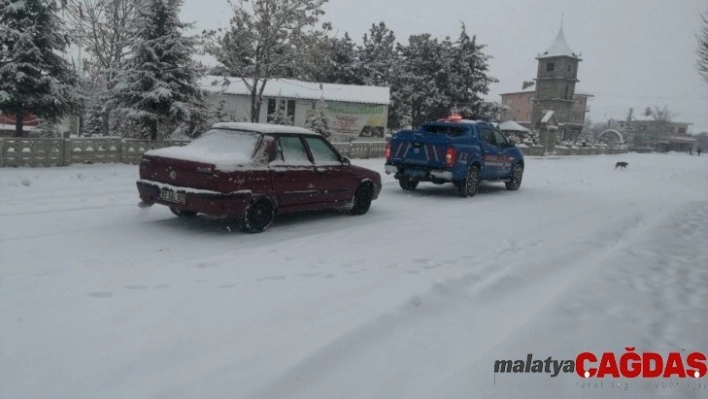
pixel 252 172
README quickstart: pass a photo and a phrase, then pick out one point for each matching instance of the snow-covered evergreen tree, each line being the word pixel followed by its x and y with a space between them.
pixel 469 76
pixel 93 118
pixel 418 90
pixel 319 122
pixel 342 65
pixel 158 86
pixel 378 56
pixel 34 78
pixel 280 115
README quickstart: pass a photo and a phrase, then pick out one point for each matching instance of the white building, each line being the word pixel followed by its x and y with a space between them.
pixel 354 112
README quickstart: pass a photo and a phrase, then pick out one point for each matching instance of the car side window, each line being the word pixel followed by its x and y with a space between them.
pixel 322 153
pixel 488 137
pixel 501 140
pixel 290 151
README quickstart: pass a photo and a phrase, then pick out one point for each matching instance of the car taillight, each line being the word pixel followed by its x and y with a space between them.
pixel 387 151
pixel 450 157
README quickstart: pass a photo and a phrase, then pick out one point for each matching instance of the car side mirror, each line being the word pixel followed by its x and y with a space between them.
pixel 346 161
pixel 511 144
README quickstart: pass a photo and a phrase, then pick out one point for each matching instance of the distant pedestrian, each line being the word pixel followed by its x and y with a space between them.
pixel 699 151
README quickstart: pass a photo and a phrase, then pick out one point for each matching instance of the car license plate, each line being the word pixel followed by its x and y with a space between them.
pixel 171 196
pixel 416 173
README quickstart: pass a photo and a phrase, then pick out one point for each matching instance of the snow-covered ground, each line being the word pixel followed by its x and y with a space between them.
pixel 416 299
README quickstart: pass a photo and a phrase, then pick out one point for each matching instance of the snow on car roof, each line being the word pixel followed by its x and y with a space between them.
pixel 262 128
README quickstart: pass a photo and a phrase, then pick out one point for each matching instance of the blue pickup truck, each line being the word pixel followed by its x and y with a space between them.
pixel 454 150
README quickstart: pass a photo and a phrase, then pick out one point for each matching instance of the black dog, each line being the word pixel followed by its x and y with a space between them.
pixel 622 165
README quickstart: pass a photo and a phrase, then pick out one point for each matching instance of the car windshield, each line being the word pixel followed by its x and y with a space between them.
pixel 452 131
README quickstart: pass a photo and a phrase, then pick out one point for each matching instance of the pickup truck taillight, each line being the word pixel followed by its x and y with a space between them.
pixel 450 157
pixel 387 151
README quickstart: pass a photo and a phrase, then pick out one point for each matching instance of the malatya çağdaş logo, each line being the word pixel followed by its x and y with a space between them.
pixel 629 364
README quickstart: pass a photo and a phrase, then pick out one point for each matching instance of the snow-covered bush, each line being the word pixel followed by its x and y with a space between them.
pixel 318 121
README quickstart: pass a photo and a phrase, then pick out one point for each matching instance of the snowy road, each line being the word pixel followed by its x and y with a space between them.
pixel 416 299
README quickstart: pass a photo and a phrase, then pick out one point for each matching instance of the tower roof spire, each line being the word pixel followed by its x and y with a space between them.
pixel 559 47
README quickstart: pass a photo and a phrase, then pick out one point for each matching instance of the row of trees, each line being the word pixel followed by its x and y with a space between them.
pixel 140 68
pixel 140 75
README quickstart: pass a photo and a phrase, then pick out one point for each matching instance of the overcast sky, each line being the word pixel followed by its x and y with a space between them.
pixel 636 53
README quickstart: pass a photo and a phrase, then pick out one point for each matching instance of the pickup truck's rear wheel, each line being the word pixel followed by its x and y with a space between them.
pixel 468 187
pixel 259 215
pixel 182 213
pixel 517 175
pixel 408 183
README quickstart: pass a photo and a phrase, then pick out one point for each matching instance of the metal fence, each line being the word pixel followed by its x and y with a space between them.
pixel 539 151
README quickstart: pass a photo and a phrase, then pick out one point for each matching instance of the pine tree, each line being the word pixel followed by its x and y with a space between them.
pixel 34 78
pixel 469 76
pixel 416 91
pixel 280 115
pixel 93 118
pixel 319 122
pixel 380 64
pixel 378 56
pixel 158 86
pixel 342 65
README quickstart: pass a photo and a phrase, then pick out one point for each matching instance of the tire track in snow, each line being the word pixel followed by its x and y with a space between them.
pixel 500 288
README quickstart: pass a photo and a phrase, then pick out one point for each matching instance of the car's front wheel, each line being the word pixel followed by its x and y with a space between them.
pixel 468 187
pixel 259 215
pixel 182 213
pixel 362 199
pixel 517 175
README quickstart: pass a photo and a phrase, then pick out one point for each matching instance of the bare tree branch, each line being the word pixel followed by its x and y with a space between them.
pixel 263 41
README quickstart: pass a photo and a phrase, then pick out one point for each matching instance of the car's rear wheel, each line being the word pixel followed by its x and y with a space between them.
pixel 259 215
pixel 362 199
pixel 516 176
pixel 408 183
pixel 182 213
pixel 468 187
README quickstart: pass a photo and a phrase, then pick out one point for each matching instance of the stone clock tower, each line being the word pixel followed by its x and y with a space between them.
pixel 555 87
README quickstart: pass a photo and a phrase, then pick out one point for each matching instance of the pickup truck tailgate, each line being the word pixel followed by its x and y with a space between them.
pixel 419 148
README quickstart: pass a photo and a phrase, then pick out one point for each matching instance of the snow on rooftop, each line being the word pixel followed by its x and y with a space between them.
pixel 27 128
pixel 513 126
pixel 547 117
pixel 559 47
pixel 296 89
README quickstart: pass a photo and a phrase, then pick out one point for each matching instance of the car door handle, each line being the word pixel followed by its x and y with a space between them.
pixel 280 172
pixel 320 171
